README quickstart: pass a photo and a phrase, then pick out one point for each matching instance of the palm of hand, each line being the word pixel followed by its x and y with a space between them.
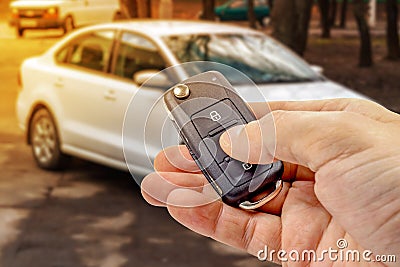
pixel 295 220
pixel 307 225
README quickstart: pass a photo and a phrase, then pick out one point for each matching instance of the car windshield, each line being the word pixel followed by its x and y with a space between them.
pixel 261 58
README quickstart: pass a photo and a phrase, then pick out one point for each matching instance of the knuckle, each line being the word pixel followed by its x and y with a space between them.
pixel 339 138
pixel 279 116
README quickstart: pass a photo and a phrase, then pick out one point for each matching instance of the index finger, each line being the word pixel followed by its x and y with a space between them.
pixel 179 159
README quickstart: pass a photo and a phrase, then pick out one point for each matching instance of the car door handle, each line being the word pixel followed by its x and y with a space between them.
pixel 110 95
pixel 59 83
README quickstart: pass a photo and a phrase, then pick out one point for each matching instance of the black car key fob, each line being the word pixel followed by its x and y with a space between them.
pixel 202 108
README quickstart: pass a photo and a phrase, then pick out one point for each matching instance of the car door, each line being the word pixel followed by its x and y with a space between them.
pixel 135 56
pixel 86 94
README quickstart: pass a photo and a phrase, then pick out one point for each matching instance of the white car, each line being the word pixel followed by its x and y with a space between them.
pixel 66 14
pixel 74 96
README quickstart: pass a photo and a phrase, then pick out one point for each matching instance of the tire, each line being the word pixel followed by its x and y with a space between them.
pixel 69 24
pixel 45 142
pixel 20 32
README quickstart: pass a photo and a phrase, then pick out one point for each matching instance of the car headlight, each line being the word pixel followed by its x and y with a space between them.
pixel 51 11
pixel 14 13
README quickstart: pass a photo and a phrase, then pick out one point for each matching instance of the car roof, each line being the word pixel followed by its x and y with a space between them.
pixel 174 27
pixel 154 29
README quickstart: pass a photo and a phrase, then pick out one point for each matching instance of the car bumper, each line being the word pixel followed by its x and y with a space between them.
pixel 36 23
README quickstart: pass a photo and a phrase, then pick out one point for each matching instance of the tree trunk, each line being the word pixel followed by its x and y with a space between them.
pixel 325 23
pixel 148 8
pixel 208 9
pixel 270 4
pixel 250 14
pixel 129 8
pixel 343 14
pixel 392 36
pixel 290 21
pixel 332 13
pixel 165 9
pixel 365 59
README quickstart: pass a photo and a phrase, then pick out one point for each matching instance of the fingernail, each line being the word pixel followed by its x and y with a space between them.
pixel 227 137
pixel 225 141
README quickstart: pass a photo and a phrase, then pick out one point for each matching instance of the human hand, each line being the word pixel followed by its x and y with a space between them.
pixel 344 158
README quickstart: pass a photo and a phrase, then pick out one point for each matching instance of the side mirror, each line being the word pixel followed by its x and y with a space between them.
pixel 317 69
pixel 152 78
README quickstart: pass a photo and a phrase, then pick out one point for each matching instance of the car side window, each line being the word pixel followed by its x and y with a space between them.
pixel 91 51
pixel 136 53
pixel 237 4
pixel 260 3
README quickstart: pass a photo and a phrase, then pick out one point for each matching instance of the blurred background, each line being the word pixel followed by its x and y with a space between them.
pixel 91 215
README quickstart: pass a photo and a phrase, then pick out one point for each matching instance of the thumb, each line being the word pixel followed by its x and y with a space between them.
pixel 253 143
pixel 306 138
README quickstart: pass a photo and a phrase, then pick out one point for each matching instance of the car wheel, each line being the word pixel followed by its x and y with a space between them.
pixel 45 141
pixel 20 32
pixel 68 24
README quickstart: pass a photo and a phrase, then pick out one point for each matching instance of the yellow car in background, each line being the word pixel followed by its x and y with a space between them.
pixel 65 14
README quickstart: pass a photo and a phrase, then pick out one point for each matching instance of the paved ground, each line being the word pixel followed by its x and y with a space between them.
pixel 87 215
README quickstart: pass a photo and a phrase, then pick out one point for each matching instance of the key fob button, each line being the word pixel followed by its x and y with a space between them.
pixel 214 118
pixel 215 149
pixel 240 173
pixel 207 148
pixel 235 173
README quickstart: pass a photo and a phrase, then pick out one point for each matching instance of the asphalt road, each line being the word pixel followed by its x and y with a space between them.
pixel 87 215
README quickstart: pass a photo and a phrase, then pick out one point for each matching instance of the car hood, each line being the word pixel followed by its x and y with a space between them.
pixel 33 4
pixel 297 91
